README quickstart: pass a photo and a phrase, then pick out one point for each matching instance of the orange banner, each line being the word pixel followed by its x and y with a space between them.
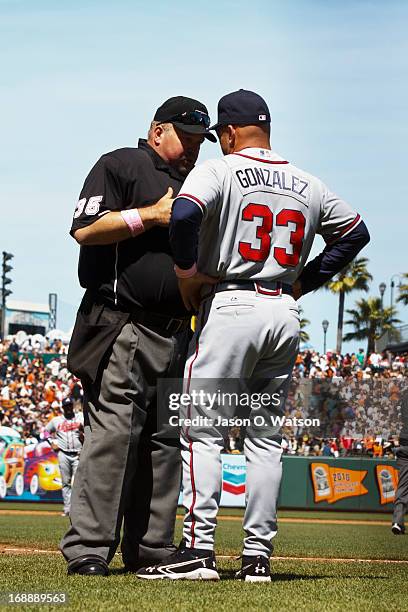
pixel 387 480
pixel 331 483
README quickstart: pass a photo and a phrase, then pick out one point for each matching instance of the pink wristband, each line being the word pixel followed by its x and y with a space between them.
pixel 180 273
pixel 133 221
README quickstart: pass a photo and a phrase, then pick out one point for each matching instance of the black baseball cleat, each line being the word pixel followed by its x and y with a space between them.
pixel 254 569
pixel 184 564
pixel 398 529
pixel 133 565
pixel 88 565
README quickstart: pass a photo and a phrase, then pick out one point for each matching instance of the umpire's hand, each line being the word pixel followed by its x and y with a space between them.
pixel 162 209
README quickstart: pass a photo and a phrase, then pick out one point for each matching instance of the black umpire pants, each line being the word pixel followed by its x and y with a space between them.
pixel 128 468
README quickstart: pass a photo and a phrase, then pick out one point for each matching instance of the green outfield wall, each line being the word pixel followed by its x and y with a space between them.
pixel 307 483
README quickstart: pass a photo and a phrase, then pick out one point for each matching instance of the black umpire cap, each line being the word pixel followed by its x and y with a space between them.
pixel 242 107
pixel 187 114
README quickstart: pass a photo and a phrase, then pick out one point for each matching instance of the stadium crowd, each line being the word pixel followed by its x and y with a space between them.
pixel 356 398
pixel 311 364
pixel 34 380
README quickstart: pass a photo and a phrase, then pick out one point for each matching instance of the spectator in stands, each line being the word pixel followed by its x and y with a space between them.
pixel 377 449
pixel 334 447
pixel 361 357
pixel 326 449
pixel 346 444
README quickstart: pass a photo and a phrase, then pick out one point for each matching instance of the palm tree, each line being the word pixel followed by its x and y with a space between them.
pixel 403 290
pixel 370 321
pixel 304 336
pixel 354 277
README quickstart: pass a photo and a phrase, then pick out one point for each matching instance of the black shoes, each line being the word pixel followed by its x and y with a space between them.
pixel 88 565
pixel 184 564
pixel 398 529
pixel 254 569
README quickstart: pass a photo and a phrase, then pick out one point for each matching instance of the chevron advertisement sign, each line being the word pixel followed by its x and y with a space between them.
pixel 233 480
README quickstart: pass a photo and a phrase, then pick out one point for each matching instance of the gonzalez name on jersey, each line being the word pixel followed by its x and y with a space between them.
pixel 268 237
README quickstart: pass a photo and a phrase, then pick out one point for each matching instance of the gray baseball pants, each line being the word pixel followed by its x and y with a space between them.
pixel 128 468
pixel 68 464
pixel 240 335
pixel 401 497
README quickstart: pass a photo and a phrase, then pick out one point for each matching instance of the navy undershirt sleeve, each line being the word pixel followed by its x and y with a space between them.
pixel 184 229
pixel 333 259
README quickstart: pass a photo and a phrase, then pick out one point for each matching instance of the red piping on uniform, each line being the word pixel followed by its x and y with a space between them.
pixel 346 229
pixel 267 161
pixel 196 200
pixel 191 510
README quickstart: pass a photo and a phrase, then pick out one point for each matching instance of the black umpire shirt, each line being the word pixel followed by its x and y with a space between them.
pixel 137 271
pixel 134 272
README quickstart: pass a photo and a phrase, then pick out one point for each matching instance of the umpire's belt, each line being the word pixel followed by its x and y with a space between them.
pixel 263 287
pixel 158 321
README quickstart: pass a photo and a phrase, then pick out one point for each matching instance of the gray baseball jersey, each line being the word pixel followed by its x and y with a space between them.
pixel 261 215
pixel 67 431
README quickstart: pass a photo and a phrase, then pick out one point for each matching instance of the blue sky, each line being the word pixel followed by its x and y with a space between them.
pixel 80 78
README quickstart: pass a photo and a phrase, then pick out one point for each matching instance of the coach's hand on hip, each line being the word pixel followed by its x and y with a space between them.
pixel 190 289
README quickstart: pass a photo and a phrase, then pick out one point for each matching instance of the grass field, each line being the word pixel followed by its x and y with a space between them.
pixel 318 581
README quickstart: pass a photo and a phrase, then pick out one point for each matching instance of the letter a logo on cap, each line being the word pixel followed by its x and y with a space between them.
pixel 262 117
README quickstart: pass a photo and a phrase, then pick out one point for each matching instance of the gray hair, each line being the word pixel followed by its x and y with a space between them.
pixel 166 127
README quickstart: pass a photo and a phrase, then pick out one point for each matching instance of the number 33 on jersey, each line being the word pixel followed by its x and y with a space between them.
pixel 262 214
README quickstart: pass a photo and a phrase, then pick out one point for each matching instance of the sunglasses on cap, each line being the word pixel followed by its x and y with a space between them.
pixel 191 118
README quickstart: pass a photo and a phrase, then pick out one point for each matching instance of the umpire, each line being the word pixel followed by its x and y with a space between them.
pixel 401 497
pixel 131 329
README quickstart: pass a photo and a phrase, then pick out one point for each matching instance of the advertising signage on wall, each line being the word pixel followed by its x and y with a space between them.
pixel 27 473
pixel 332 483
pixel 335 483
pixel 31 473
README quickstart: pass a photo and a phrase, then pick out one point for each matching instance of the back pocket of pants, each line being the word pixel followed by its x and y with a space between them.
pixel 235 308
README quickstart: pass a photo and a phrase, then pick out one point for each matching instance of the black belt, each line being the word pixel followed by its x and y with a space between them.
pixel 272 288
pixel 70 452
pixel 161 322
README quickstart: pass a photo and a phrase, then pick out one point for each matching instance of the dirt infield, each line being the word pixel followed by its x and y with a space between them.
pixel 221 518
pixel 9 550
pixel 310 520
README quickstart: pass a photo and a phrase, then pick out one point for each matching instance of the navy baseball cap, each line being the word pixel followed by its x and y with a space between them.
pixel 242 107
pixel 67 403
pixel 187 114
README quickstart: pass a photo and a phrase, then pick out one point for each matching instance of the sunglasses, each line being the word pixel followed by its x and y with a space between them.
pixel 191 118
